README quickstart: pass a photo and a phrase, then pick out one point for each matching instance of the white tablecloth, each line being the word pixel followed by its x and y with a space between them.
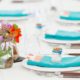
pixel 18 72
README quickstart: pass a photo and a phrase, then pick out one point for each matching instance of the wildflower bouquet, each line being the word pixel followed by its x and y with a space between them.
pixel 9 34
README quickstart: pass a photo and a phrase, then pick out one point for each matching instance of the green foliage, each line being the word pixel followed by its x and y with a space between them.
pixel 15 26
pixel 5 52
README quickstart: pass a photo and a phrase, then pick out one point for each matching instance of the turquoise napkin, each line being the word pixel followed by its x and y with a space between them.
pixel 64 35
pixel 65 63
pixel 68 33
pixel 13 13
pixel 71 16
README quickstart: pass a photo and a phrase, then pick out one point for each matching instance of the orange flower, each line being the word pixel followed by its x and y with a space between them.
pixel 15 32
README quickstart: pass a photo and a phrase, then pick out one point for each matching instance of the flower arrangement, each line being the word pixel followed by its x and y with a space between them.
pixel 9 33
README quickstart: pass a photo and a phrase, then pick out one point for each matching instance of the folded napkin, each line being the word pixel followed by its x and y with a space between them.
pixel 70 16
pixel 68 33
pixel 65 63
pixel 13 13
pixel 64 35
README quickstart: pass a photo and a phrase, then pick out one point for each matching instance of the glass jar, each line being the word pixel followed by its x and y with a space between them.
pixel 6 52
pixel 56 54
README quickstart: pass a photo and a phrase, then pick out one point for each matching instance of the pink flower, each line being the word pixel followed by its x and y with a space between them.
pixel 9 25
pixel 1 38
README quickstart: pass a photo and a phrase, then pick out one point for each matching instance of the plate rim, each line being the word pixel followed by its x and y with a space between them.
pixel 59 41
pixel 36 68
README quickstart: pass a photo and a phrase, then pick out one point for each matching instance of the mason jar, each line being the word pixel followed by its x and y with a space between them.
pixel 6 55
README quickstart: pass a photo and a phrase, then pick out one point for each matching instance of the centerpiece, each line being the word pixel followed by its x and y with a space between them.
pixel 9 36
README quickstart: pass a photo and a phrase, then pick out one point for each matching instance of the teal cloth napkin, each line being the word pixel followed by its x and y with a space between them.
pixel 64 35
pixel 13 13
pixel 65 63
pixel 71 16
pixel 68 33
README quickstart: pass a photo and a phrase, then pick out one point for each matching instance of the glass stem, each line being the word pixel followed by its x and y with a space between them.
pixel 4 46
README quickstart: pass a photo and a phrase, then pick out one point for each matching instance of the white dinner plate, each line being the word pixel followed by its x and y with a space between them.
pixel 56 41
pixel 14 18
pixel 67 22
pixel 36 68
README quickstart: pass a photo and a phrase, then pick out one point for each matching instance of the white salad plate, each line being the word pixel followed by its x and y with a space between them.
pixel 56 41
pixel 43 69
pixel 14 18
pixel 68 22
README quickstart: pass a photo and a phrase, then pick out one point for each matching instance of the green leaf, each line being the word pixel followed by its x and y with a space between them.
pixel 8 51
pixel 3 53
pixel 15 26
pixel 1 61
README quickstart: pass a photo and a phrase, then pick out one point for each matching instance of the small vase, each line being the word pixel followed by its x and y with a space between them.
pixel 16 56
pixel 56 54
pixel 6 55
pixel 15 52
